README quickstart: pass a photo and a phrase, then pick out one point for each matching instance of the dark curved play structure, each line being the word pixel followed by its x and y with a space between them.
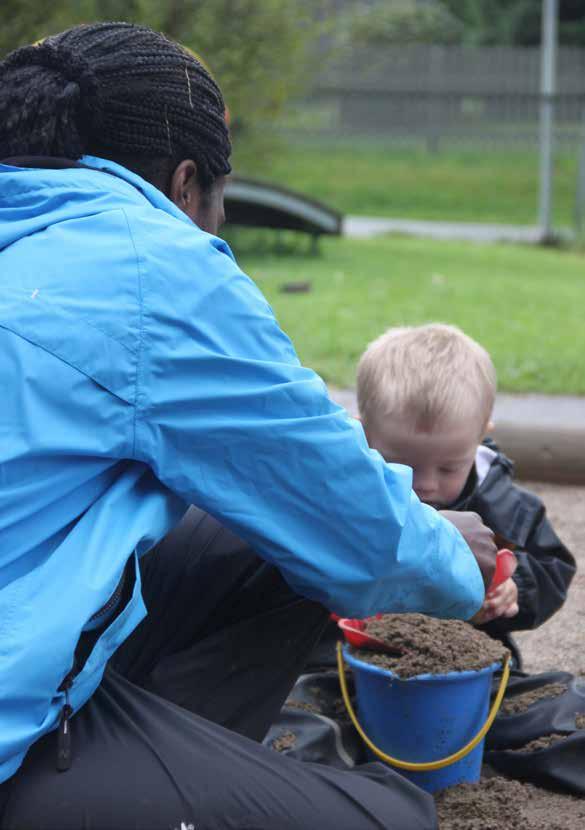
pixel 258 204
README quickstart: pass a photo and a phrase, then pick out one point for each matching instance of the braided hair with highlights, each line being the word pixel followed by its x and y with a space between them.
pixel 116 90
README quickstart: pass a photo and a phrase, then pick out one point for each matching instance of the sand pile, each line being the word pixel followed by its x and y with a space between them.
pixel 502 804
pixel 426 645
pixel 516 704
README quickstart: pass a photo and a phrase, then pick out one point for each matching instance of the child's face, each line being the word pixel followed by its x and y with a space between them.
pixel 440 459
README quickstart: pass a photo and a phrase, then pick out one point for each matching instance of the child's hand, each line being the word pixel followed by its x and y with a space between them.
pixel 501 602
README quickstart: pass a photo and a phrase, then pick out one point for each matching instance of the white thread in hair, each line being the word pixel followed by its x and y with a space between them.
pixel 189 87
pixel 168 131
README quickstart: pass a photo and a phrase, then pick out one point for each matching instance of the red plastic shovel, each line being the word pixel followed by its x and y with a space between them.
pixel 354 633
pixel 354 630
pixel 506 564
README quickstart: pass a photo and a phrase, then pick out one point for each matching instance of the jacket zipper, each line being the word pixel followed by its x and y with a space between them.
pixel 64 755
pixel 112 602
pixel 64 729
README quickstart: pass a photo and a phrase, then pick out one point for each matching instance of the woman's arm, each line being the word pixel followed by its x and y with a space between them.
pixel 229 419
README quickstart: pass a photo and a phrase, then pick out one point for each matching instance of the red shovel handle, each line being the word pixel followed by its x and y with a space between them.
pixel 506 564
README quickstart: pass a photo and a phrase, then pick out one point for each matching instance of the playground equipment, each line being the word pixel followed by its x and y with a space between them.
pixel 257 204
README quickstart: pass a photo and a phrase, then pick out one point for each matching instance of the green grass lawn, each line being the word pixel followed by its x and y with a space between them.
pixel 367 177
pixel 525 305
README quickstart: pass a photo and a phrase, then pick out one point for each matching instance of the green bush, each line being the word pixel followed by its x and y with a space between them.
pixel 400 22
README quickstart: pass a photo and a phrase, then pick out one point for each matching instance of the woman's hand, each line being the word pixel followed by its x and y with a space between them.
pixel 479 538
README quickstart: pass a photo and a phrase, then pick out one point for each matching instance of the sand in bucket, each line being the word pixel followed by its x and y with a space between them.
pixel 428 702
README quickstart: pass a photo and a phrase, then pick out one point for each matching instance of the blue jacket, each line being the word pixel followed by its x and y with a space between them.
pixel 140 371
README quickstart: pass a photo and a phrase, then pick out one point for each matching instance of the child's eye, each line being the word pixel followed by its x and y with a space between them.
pixel 448 470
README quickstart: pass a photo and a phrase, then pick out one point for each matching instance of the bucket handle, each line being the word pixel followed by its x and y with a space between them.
pixel 426 766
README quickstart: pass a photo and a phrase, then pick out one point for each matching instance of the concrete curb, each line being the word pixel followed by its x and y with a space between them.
pixel 542 453
pixel 369 227
pixel 543 435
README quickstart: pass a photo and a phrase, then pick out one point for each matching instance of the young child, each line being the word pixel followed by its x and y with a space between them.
pixel 425 397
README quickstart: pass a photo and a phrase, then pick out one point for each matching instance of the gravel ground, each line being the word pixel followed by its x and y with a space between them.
pixel 560 643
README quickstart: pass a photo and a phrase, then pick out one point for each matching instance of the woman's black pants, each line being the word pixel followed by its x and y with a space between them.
pixel 170 739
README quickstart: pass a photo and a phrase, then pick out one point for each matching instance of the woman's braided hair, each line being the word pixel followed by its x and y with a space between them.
pixel 116 90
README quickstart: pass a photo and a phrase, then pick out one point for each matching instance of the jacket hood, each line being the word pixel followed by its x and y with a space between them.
pixel 34 198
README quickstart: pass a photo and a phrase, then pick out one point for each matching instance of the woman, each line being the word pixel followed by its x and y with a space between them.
pixel 143 372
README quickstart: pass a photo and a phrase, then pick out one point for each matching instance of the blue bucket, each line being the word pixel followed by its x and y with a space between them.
pixel 425 718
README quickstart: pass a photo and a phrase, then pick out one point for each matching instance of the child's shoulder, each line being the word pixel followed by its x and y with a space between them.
pixel 504 505
pixel 490 449
pixel 492 465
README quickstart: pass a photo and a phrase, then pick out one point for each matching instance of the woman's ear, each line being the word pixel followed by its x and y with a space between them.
pixel 184 190
pixel 489 428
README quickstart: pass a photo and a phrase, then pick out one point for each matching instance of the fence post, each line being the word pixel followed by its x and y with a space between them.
pixel 580 191
pixel 550 13
pixel 433 104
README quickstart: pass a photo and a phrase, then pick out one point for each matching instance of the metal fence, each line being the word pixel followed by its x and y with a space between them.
pixel 486 96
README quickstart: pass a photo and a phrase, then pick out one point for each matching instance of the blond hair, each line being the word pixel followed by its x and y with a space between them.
pixel 432 374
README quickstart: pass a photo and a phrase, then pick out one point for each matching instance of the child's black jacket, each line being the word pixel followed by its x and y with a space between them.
pixel 518 518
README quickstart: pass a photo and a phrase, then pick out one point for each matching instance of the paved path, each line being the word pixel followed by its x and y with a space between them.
pixel 366 227
pixel 526 410
pixel 544 410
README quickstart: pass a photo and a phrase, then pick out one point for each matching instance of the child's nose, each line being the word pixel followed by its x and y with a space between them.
pixel 424 483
